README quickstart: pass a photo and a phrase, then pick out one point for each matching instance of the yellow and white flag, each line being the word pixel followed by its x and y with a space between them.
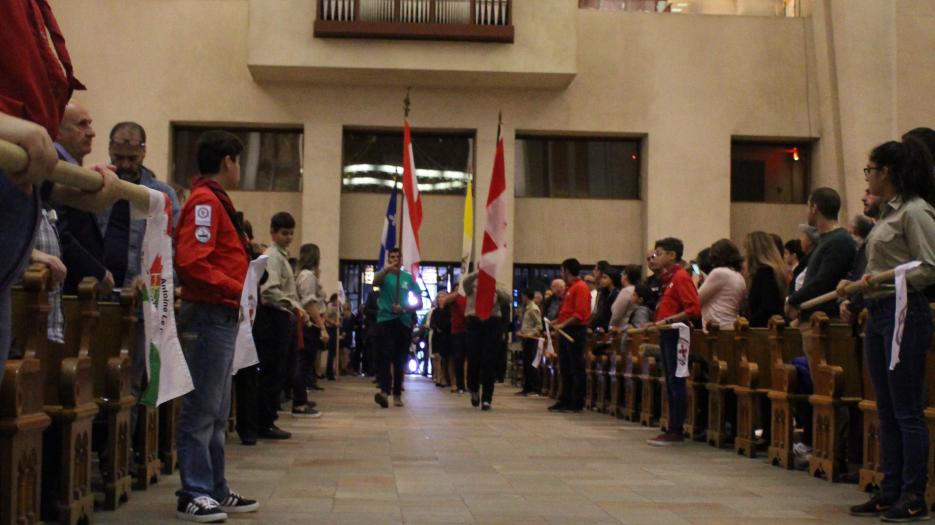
pixel 467 241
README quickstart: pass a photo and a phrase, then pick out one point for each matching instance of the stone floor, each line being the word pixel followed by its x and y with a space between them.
pixel 440 461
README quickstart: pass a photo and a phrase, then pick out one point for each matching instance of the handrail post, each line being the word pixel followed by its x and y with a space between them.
pixel 473 13
pixel 356 10
pixel 432 11
pixel 397 11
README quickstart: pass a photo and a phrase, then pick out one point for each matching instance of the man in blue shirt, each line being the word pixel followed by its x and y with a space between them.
pixel 400 297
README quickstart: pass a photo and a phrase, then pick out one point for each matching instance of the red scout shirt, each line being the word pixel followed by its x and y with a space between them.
pixel 678 295
pixel 576 303
pixel 209 255
pixel 36 80
pixel 457 314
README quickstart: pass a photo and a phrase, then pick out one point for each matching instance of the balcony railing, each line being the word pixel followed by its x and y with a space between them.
pixel 463 20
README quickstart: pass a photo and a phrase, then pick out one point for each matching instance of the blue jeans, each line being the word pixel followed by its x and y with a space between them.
pixel 904 438
pixel 676 392
pixel 207 333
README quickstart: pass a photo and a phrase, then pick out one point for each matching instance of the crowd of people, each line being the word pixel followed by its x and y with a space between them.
pixel 79 234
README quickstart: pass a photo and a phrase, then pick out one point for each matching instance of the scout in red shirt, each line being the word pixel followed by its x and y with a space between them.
pixel 572 319
pixel 679 302
pixel 211 261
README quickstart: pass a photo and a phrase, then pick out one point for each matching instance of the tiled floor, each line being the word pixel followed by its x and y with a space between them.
pixel 440 461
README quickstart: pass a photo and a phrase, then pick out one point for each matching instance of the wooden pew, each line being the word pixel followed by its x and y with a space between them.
pixel 146 448
pixel 652 383
pixel 605 371
pixel 69 401
pixel 110 357
pixel 544 378
pixel 168 426
pixel 721 382
pixel 22 419
pixel 785 344
pixel 590 364
pixel 615 380
pixel 696 392
pixel 870 475
pixel 632 384
pixel 829 348
pixel 753 386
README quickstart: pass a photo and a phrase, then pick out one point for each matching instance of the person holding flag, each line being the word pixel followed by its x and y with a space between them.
pixel 211 260
pixel 400 297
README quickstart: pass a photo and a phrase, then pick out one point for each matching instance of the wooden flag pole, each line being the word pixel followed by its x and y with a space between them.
pixel 851 289
pixel 399 243
pixel 14 159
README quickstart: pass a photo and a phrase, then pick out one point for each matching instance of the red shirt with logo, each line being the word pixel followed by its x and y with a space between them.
pixel 678 295
pixel 457 314
pixel 576 303
pixel 209 256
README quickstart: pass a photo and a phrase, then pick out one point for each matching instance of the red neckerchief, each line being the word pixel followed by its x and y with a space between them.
pixel 228 204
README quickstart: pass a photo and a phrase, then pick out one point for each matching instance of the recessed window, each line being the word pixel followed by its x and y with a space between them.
pixel 577 167
pixel 271 158
pixel 770 172
pixel 373 159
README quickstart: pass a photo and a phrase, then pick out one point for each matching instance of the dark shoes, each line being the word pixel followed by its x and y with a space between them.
pixel 199 510
pixel 906 509
pixel 316 387
pixel 485 406
pixel 557 407
pixel 307 412
pixel 381 399
pixel 248 440
pixel 666 440
pixel 475 399
pixel 236 504
pixel 875 507
pixel 274 432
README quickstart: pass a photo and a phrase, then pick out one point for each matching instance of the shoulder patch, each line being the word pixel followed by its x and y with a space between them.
pixel 203 215
pixel 202 234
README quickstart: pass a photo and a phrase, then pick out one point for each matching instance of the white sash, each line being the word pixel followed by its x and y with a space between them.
pixel 902 307
pixel 685 335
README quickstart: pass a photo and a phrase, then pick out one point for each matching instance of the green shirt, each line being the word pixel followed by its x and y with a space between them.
pixel 388 298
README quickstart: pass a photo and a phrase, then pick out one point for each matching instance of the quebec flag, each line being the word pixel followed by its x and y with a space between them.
pixel 388 238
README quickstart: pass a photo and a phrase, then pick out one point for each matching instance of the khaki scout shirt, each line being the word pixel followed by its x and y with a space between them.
pixel 905 232
pixel 279 289
pixel 532 320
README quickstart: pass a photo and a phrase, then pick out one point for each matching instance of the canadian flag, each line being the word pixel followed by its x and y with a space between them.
pixel 493 250
pixel 412 208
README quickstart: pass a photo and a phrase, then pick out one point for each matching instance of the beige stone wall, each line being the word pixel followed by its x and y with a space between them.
pixel 685 83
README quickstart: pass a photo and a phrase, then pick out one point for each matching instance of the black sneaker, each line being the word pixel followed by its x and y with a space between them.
pixel 274 432
pixel 475 399
pixel 875 507
pixel 522 393
pixel 306 411
pixel 380 399
pixel 485 406
pixel 236 504
pixel 202 509
pixel 906 509
pixel 557 407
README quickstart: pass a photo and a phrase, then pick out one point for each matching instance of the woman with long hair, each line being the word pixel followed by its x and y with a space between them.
pixel 767 278
pixel 724 288
pixel 900 174
pixel 312 298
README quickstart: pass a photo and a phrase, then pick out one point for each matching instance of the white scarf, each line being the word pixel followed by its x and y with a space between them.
pixel 902 307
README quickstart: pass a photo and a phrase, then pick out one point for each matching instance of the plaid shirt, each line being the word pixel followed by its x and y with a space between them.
pixel 47 242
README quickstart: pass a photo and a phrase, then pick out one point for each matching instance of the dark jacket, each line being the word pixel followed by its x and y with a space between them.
pixel 829 263
pixel 764 297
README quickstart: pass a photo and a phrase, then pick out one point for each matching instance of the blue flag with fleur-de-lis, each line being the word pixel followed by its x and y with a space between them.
pixel 388 238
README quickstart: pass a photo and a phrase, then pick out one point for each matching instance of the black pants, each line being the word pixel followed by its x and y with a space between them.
pixel 483 347
pixel 332 351
pixel 571 364
pixel 304 365
pixel 530 373
pixel 676 391
pixel 393 338
pixel 273 333
pixel 456 358
pixel 245 386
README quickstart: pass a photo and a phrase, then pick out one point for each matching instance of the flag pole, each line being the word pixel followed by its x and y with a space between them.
pixel 399 243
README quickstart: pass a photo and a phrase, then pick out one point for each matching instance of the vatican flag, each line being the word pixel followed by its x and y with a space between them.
pixel 467 241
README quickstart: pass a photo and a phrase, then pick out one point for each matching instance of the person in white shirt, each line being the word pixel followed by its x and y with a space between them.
pixel 724 288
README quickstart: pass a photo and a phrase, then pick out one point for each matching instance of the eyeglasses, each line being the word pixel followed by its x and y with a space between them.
pixel 868 169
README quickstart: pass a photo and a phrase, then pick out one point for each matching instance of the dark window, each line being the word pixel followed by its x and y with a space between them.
pixel 602 168
pixel 271 158
pixel 770 172
pixel 372 159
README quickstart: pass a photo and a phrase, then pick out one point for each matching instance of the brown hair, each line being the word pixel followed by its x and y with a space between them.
pixel 761 251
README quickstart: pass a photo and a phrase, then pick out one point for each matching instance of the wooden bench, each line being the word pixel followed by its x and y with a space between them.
pixel 168 427
pixel 753 385
pixel 555 377
pixel 615 380
pixel 22 420
pixel 870 475
pixel 69 402
pixel 721 382
pixel 653 385
pixel 632 384
pixel 605 371
pixel 785 344
pixel 829 348
pixel 590 364
pixel 696 392
pixel 110 358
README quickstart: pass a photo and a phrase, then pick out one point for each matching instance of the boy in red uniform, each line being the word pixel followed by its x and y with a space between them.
pixel 679 302
pixel 211 260
pixel 572 319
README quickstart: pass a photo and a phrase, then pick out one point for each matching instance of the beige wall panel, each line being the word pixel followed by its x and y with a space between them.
pixel 915 23
pixel 362 220
pixel 551 230
pixel 782 219
pixel 258 207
